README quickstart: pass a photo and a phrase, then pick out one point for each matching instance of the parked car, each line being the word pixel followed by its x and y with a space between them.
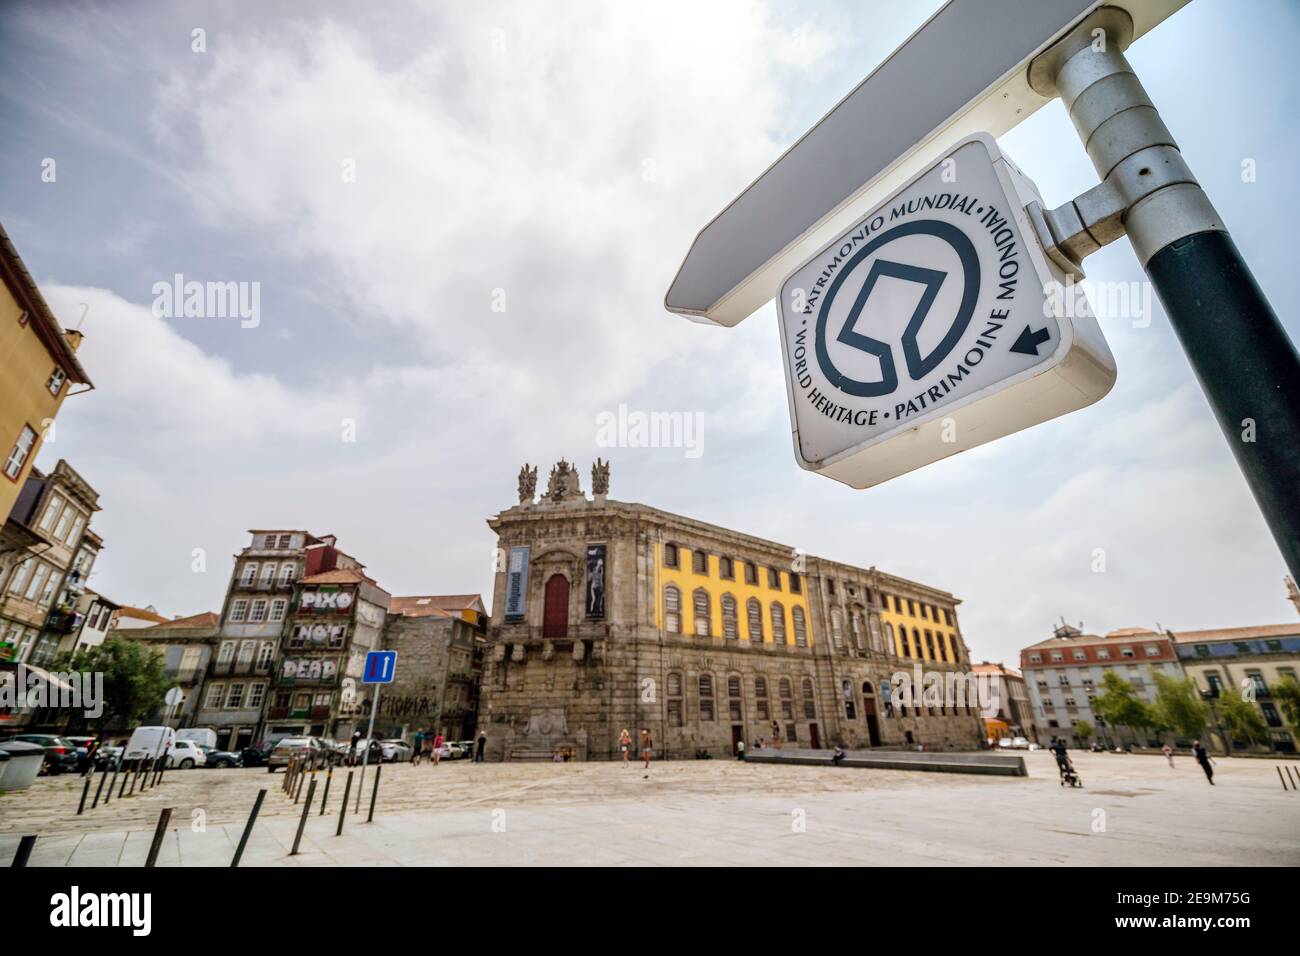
pixel 186 755
pixel 466 748
pixel 106 757
pixel 1004 743
pixel 220 759
pixel 60 754
pixel 1019 743
pixel 396 750
pixel 254 756
pixel 448 751
pixel 82 747
pixel 290 747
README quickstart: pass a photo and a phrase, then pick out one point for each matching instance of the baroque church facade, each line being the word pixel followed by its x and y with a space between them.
pixel 610 615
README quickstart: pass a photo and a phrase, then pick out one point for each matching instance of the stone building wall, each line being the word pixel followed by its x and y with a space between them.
pixel 577 690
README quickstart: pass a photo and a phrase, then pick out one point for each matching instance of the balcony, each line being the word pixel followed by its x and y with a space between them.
pixel 240 669
pixel 63 620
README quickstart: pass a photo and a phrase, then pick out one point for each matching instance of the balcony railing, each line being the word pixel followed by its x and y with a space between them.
pixel 240 668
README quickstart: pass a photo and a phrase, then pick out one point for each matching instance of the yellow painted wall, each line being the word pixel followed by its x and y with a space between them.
pixel 915 622
pixel 687 581
pixel 24 398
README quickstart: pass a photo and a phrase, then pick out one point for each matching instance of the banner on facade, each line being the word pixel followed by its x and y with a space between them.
pixel 596 580
pixel 517 584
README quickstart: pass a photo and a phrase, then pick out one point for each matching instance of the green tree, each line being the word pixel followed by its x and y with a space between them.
pixel 1083 730
pixel 1240 718
pixel 1119 704
pixel 1287 694
pixel 134 681
pixel 1179 707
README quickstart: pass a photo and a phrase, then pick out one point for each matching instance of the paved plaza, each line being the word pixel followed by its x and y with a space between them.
pixel 1132 810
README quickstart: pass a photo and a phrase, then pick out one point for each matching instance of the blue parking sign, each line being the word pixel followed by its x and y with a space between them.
pixel 380 666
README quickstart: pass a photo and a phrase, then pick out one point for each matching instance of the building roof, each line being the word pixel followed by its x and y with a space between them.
pixel 339 576
pixel 985 667
pixel 1123 634
pixel 142 614
pixel 1237 633
pixel 39 314
pixel 430 605
pixel 204 619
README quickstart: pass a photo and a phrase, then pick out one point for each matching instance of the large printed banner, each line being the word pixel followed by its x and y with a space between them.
pixel 517 584
pixel 596 580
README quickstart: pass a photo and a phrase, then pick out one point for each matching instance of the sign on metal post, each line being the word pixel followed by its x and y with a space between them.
pixel 380 667
pixel 935 323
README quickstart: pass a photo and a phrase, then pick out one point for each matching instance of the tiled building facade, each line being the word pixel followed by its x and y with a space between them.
pixel 610 615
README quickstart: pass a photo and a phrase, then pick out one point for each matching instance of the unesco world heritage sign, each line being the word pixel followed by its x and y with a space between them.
pixel 933 324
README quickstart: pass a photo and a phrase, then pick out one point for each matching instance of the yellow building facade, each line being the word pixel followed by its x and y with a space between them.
pixel 38 370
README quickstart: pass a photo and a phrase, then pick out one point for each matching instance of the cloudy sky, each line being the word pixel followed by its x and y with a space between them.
pixel 462 219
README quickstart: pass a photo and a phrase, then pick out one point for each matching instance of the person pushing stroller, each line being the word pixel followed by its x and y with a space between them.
pixel 1068 774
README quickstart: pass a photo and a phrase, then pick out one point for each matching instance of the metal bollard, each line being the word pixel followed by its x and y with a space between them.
pixel 103 776
pixel 85 792
pixel 248 827
pixel 343 810
pixel 159 831
pixel 1288 776
pixel 374 792
pixel 108 797
pixel 302 821
pixel 325 797
pixel 122 789
pixel 24 852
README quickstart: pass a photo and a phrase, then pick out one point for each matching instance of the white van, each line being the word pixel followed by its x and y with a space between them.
pixel 203 736
pixel 148 742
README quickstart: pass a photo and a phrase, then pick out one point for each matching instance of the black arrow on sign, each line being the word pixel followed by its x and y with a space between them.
pixel 1027 342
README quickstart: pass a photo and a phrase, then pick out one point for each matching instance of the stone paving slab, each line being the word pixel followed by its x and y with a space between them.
pixel 1133 810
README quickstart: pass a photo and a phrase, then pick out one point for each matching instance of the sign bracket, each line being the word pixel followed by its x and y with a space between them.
pixel 1243 358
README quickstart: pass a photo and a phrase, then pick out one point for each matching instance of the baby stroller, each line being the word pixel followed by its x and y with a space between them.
pixel 1068 774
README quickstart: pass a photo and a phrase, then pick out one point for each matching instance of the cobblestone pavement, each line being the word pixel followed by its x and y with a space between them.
pixel 1133 810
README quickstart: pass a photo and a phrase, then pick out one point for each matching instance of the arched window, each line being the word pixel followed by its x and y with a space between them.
pixel 885 698
pixel 786 690
pixel 778 623
pixel 891 643
pixel 875 634
pixel 904 640
pixel 555 607
pixel 800 626
pixel 858 636
pixel 754 611
pixel 674 699
pixel 850 711
pixel 706 697
pixel 703 623
pixel 734 698
pixel 837 628
pixel 760 698
pixel 672 609
pixel 730 626
pixel 809 701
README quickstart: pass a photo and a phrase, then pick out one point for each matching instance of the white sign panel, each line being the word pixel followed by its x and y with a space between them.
pixel 934 324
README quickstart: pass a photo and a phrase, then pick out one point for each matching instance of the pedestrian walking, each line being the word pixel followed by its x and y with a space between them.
pixel 776 735
pixel 1205 760
pixel 437 748
pixel 1168 751
pixel 740 750
pixel 646 746
pixel 482 743
pixel 352 748
pixel 624 745
pixel 417 748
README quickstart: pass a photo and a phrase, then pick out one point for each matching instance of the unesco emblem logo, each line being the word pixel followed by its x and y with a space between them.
pixel 931 280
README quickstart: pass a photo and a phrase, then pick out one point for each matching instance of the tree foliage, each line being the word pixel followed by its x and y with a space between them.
pixel 1119 704
pixel 1179 707
pixel 134 681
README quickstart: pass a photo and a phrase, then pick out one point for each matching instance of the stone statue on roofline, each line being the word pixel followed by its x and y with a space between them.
pixel 527 484
pixel 600 478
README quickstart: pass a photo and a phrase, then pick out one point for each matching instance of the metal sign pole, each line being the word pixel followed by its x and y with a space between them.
pixel 1245 362
pixel 370 733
